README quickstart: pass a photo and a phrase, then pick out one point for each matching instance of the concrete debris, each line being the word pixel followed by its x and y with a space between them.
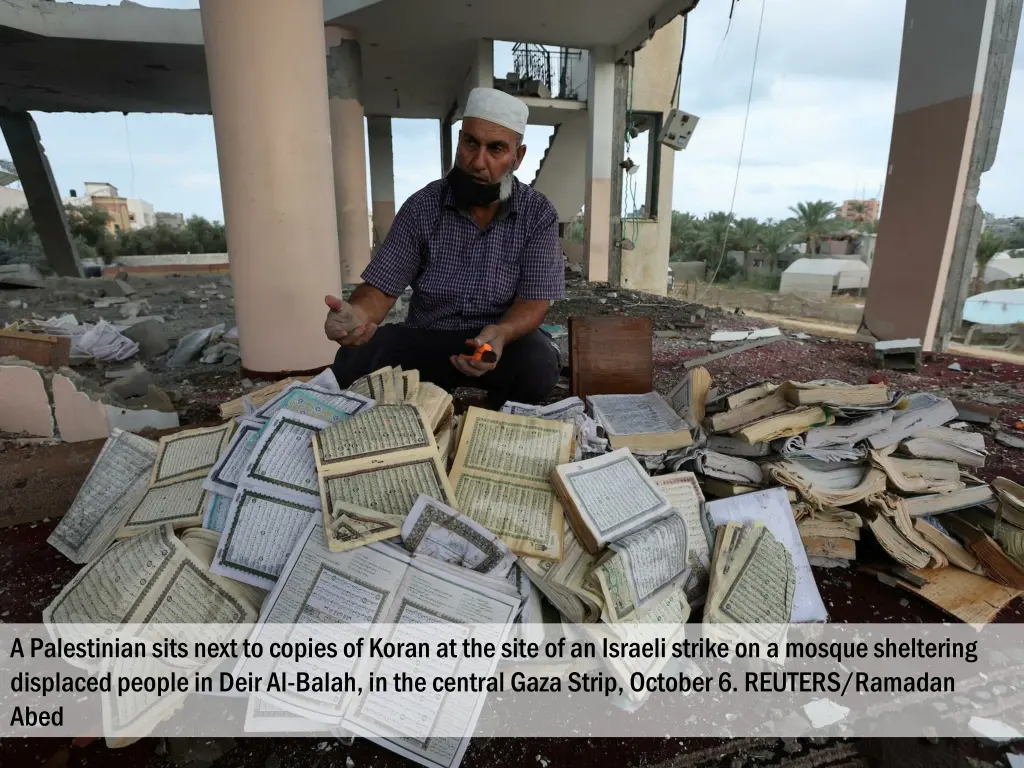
pixel 899 354
pixel 993 730
pixel 221 352
pixel 134 384
pixel 110 301
pixel 802 336
pixel 975 413
pixel 824 712
pixel 151 337
pixel 1009 440
pixel 693 363
pixel 24 404
pixel 20 276
pixel 134 308
pixel 120 373
pixel 118 288
pixel 191 345
pixel 955 366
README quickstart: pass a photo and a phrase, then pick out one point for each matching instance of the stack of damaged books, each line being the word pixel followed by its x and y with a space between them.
pixel 620 509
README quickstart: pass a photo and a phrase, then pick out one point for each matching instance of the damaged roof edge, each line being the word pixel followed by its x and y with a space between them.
pixel 639 36
pixel 117 23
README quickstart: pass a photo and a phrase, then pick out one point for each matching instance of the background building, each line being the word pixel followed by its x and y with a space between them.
pixel 125 212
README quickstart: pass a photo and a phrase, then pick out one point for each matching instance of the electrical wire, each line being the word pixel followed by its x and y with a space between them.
pixel 128 142
pixel 677 93
pixel 739 160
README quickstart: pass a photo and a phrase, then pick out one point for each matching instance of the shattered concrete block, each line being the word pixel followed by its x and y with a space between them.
pixel 151 337
pixel 79 417
pixel 134 308
pixel 39 348
pixel 24 405
pixel 119 287
pixel 131 420
pixel 899 354
pixel 21 276
pixel 134 384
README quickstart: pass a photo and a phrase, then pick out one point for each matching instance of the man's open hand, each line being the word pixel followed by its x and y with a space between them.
pixel 492 335
pixel 346 324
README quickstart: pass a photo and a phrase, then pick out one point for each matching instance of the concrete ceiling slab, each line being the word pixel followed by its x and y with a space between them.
pixel 62 57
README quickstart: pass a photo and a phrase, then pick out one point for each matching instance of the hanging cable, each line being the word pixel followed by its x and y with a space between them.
pixel 128 142
pixel 739 160
pixel 677 93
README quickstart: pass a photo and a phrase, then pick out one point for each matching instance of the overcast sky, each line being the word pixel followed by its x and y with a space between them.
pixel 820 121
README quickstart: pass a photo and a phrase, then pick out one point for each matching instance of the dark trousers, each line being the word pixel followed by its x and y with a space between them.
pixel 527 371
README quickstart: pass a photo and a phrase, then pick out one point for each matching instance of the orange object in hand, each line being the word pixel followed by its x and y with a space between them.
pixel 484 353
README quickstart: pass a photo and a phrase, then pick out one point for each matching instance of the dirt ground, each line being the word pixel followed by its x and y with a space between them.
pixel 45 478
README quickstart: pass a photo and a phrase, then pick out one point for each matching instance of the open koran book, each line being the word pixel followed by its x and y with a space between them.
pixel 379 461
pixel 772 508
pixel 345 592
pixel 608 497
pixel 147 580
pixel 753 581
pixel 501 478
pixel 640 422
pixel 114 487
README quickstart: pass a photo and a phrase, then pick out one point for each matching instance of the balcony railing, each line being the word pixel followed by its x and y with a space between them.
pixel 546 72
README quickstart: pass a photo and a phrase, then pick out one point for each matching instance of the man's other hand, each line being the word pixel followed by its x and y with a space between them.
pixel 492 335
pixel 346 324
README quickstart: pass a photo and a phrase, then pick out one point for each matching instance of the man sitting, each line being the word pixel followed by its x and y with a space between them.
pixel 481 252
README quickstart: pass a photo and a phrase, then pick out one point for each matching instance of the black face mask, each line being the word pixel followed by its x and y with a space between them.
pixel 470 193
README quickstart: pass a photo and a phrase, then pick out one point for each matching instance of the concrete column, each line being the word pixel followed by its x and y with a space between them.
pixel 41 193
pixel 348 149
pixel 268 91
pixel 947 46
pixel 446 147
pixel 597 194
pixel 382 175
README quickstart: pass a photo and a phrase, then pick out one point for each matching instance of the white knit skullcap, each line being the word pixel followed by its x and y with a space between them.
pixel 497 107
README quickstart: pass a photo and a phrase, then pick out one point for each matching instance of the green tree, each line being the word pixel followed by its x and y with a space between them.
pixel 716 237
pixel 209 236
pixel 1015 241
pixel 989 244
pixel 89 224
pixel 574 234
pixel 813 220
pixel 16 227
pixel 776 238
pixel 859 208
pixel 746 234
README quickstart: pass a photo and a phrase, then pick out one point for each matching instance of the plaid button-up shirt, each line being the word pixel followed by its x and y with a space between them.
pixel 463 277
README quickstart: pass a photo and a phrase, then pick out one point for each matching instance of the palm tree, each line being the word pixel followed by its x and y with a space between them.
pixel 813 221
pixel 989 244
pixel 715 235
pixel 746 234
pixel 860 210
pixel 775 239
pixel 685 234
